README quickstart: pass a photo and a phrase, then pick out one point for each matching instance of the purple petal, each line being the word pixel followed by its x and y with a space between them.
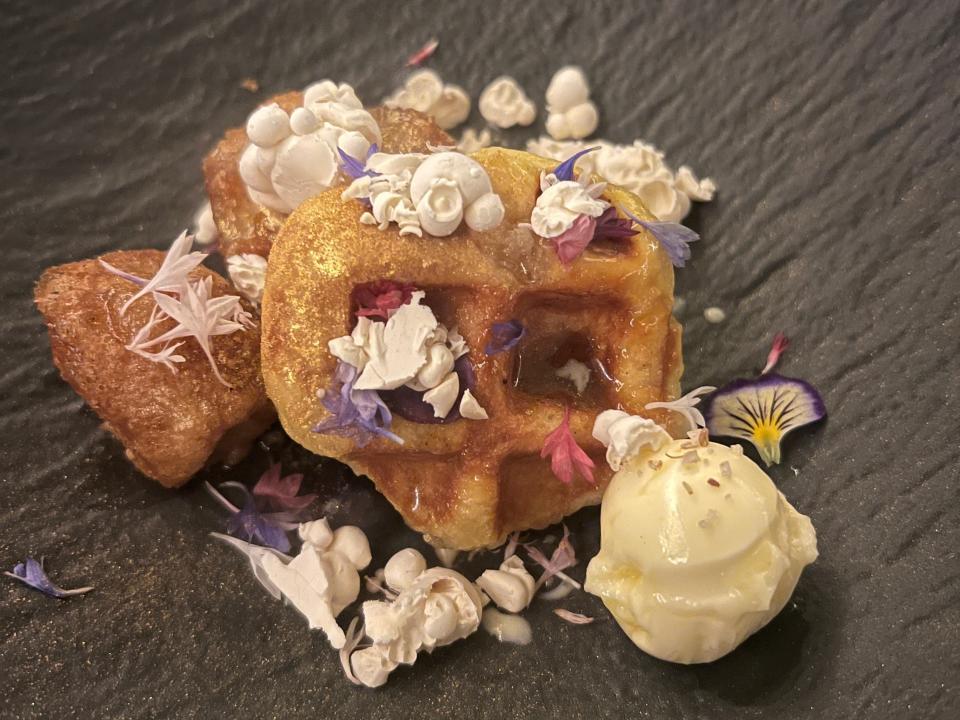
pixel 763 411
pixel 504 336
pixel 674 237
pixel 564 171
pixel 250 525
pixel 33 575
pixel 408 403
pixel 280 493
pixel 353 167
pixel 610 226
pixel 357 414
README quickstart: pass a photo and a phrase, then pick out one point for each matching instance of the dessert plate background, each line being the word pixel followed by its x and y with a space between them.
pixel 831 132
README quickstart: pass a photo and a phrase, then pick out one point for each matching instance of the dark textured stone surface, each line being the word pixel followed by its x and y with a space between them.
pixel 832 132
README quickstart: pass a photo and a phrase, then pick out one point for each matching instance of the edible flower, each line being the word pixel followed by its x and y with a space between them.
pixel 780 344
pixel 504 336
pixel 171 276
pixel 563 557
pixel 564 171
pixel 376 299
pixel 424 53
pixel 673 237
pixel 763 411
pixel 358 414
pixel 571 243
pixel 572 617
pixel 565 455
pixel 32 574
pixel 610 226
pixel 686 406
pixel 197 315
pixel 280 493
pixel 353 167
pixel 251 525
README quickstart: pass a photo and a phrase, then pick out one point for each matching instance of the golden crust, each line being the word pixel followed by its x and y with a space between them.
pixel 247 227
pixel 468 484
pixel 170 424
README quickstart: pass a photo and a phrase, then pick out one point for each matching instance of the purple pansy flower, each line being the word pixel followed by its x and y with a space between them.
pixel 31 573
pixel 354 168
pixel 358 414
pixel 504 336
pixel 564 171
pixel 674 237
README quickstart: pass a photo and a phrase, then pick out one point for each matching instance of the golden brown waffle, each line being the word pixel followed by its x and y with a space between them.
pixel 248 227
pixel 170 424
pixel 467 484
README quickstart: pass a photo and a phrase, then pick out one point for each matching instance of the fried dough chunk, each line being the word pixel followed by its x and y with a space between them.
pixel 171 424
pixel 246 226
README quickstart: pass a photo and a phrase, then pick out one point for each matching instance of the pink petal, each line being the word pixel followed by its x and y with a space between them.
pixel 780 344
pixel 571 244
pixel 572 617
pixel 565 455
pixel 423 53
pixel 281 492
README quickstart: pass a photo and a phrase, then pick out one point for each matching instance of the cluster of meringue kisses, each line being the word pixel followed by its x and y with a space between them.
pixel 432 193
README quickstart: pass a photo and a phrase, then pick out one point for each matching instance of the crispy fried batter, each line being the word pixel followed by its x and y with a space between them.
pixel 170 424
pixel 247 227
pixel 469 483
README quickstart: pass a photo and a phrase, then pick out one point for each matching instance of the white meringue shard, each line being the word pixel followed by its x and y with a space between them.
pixel 503 104
pixel 568 88
pixel 576 372
pixel 439 365
pixel 510 587
pixel 248 273
pixel 626 435
pixel 470 408
pixel 205 231
pixel 443 396
pixel 398 349
pixel 571 114
pixel 471 140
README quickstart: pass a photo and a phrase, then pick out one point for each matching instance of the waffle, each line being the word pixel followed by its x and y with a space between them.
pixel 468 484
pixel 170 424
pixel 246 226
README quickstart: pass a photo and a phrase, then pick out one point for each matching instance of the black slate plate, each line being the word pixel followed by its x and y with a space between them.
pixel 831 131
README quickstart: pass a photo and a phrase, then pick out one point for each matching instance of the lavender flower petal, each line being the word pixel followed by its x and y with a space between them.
pixel 358 414
pixel 250 525
pixel 504 336
pixel 564 171
pixel 32 574
pixel 353 167
pixel 674 237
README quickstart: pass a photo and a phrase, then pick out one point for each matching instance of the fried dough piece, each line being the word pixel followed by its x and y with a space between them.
pixel 467 483
pixel 170 424
pixel 248 227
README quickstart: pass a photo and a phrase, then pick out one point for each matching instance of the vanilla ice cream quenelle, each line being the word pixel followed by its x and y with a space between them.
pixel 699 549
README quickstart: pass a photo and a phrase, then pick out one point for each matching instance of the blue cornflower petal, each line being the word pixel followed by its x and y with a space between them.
pixel 504 336
pixel 33 575
pixel 564 171
pixel 353 167
pixel 358 414
pixel 674 237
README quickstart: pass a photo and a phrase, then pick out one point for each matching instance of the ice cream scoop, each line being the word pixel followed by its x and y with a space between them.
pixel 699 550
